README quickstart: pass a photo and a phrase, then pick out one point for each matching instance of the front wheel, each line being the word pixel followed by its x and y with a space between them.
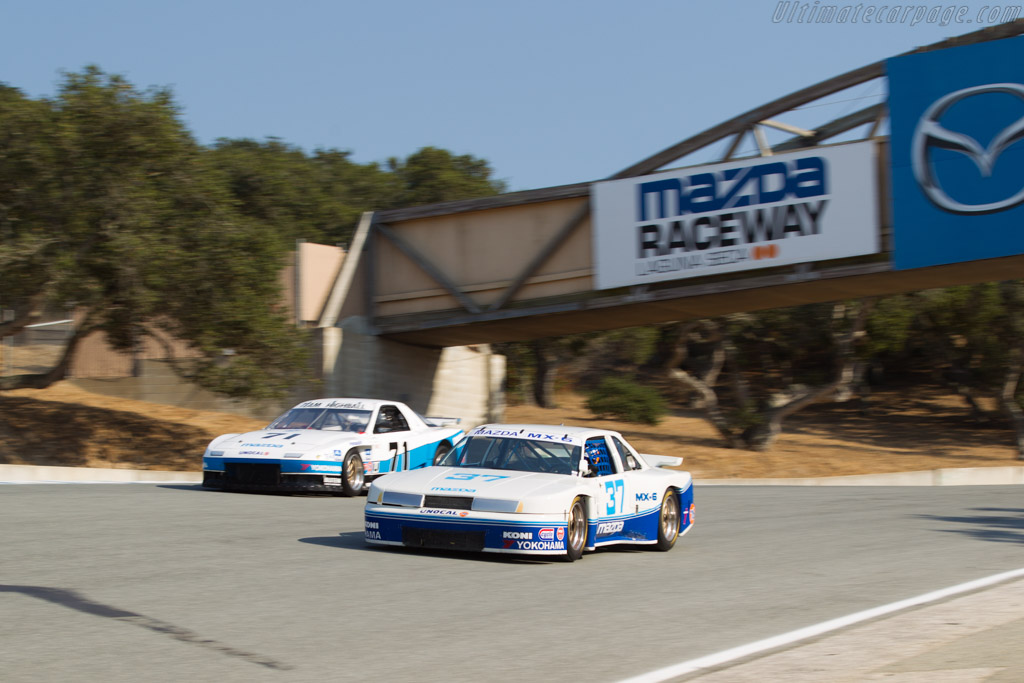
pixel 442 450
pixel 353 475
pixel 576 536
pixel 668 521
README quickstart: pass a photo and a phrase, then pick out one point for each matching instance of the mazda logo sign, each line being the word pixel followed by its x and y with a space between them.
pixel 931 134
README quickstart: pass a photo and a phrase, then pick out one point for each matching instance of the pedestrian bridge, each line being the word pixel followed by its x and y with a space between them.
pixel 522 265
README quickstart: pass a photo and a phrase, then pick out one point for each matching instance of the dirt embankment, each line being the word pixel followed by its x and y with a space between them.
pixel 65 425
pixel 898 432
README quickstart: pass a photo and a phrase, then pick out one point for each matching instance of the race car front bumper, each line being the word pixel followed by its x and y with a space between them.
pixel 443 529
pixel 241 475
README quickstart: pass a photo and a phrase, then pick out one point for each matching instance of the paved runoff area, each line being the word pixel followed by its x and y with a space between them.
pixel 971 638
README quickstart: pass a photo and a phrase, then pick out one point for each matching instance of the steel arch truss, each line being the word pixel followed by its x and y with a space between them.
pixel 847 107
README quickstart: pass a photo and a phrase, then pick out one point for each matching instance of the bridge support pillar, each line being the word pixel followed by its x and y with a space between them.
pixel 458 381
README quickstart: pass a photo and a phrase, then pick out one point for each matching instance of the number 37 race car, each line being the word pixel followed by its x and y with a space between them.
pixel 331 445
pixel 532 489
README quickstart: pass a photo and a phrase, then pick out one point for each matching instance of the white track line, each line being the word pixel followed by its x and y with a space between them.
pixel 784 639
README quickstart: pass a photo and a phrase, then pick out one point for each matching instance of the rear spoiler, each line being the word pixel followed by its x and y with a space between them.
pixel 442 421
pixel 661 460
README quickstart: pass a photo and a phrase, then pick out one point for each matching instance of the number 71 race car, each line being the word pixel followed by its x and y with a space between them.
pixel 533 489
pixel 331 445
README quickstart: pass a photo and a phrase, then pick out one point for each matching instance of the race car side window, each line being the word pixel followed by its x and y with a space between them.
pixel 599 457
pixel 618 459
pixel 629 461
pixel 390 419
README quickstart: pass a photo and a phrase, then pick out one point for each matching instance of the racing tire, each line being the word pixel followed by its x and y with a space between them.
pixel 668 521
pixel 576 532
pixel 442 450
pixel 353 474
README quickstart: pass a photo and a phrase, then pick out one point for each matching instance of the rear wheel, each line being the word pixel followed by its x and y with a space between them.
pixel 353 475
pixel 442 450
pixel 668 521
pixel 576 536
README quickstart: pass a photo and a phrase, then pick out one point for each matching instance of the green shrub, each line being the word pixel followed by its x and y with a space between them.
pixel 626 400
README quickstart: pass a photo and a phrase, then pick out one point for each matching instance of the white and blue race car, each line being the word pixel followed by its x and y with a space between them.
pixel 534 489
pixel 330 445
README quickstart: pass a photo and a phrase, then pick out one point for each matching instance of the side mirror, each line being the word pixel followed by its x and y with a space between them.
pixel 586 467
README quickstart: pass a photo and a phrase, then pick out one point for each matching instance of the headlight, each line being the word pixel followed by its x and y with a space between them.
pixel 413 500
pixel 293 455
pixel 215 454
pixel 497 505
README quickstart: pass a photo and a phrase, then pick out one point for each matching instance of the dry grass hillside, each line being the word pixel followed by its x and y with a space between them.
pixel 64 425
pixel 896 433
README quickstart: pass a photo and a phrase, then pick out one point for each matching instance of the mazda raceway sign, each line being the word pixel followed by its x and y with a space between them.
pixel 957 144
pixel 957 185
pixel 807 206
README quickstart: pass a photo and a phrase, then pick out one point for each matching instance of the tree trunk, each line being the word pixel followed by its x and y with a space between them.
pixel 761 437
pixel 546 372
pixel 54 374
pixel 709 400
pixel 960 380
pixel 1008 398
pixel 706 396
pixel 26 317
pixel 740 388
pixel 710 376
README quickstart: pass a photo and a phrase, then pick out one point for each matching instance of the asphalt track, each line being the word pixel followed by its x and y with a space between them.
pixel 170 582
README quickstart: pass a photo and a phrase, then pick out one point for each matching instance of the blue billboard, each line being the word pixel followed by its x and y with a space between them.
pixel 957 146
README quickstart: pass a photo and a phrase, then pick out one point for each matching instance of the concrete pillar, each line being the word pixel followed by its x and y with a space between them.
pixel 461 381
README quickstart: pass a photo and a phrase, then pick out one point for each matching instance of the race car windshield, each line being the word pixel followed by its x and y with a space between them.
pixel 525 455
pixel 330 419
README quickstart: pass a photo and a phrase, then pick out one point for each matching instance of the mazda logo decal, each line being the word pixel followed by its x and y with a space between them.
pixel 930 133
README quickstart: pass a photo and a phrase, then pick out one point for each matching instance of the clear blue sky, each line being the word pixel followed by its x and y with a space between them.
pixel 550 92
